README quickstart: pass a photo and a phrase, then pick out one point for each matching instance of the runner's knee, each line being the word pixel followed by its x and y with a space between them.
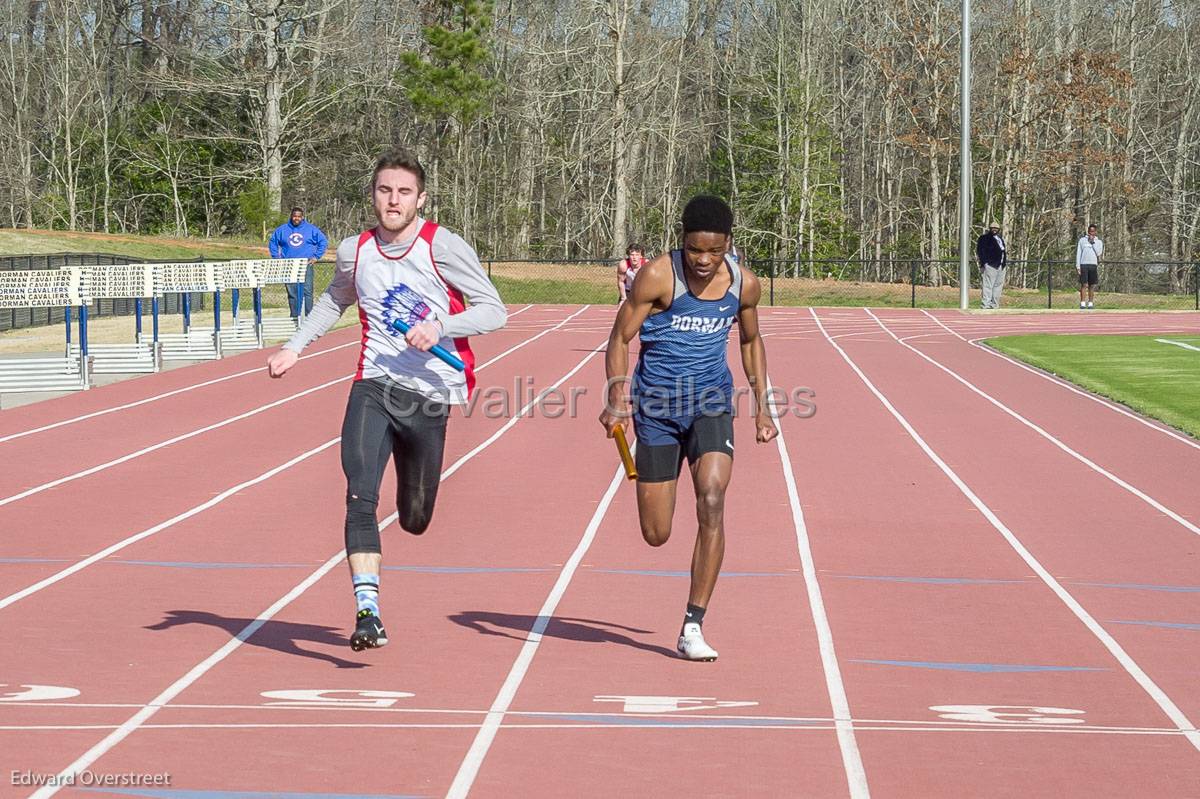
pixel 656 534
pixel 415 504
pixel 362 528
pixel 710 502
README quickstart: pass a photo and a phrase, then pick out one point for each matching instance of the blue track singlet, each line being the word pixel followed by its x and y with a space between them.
pixel 682 370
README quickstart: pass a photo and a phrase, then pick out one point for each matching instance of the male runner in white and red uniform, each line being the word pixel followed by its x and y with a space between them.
pixel 411 269
pixel 627 269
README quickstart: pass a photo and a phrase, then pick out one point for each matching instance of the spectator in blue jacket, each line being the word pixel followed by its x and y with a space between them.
pixel 299 238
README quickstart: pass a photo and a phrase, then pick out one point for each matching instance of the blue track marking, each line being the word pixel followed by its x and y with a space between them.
pixel 169 793
pixel 1183 589
pixel 1171 625
pixel 679 721
pixel 926 580
pixel 35 560
pixel 189 564
pixel 974 667
pixel 678 573
pixel 463 569
pixel 185 564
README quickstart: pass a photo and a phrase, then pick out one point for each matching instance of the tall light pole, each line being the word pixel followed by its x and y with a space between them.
pixel 965 193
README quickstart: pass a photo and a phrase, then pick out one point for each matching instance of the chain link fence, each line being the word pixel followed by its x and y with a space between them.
pixel 877 283
pixel 1163 285
pixel 934 284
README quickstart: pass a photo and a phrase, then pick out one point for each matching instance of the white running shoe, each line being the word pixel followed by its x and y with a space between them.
pixel 1090 305
pixel 692 645
pixel 1083 306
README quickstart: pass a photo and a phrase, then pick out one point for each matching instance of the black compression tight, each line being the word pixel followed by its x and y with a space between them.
pixel 382 421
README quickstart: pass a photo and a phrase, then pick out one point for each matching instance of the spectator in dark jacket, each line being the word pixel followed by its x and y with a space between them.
pixel 993 257
pixel 299 238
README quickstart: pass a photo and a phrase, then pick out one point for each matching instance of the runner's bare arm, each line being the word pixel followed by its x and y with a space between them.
pixel 652 289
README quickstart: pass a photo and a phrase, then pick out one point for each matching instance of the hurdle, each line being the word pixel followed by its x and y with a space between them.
pixel 121 282
pixel 47 288
pixel 194 343
pixel 278 271
pixel 243 334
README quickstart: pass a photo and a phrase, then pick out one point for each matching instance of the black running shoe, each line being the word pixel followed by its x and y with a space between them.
pixel 368 632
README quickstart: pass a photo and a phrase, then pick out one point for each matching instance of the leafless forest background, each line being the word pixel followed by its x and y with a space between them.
pixel 565 128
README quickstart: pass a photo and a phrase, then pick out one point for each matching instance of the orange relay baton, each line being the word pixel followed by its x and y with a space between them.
pixel 623 449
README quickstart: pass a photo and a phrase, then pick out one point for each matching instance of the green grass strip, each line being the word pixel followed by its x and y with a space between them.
pixel 1159 380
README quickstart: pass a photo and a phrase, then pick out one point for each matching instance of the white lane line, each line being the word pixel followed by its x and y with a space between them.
pixel 587 715
pixel 521 413
pixel 183 390
pixel 219 498
pixel 209 428
pixel 175 440
pixel 1131 667
pixel 916 336
pixel 469 768
pixel 1183 344
pixel 164 395
pixel 533 339
pixel 1073 389
pixel 1097 468
pixel 97 751
pixel 158 528
pixel 675 723
pixel 856 775
pixel 174 689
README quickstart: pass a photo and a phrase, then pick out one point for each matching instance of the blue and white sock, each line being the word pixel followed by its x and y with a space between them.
pixel 366 592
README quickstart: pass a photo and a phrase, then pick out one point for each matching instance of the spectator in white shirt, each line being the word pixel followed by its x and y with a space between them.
pixel 1087 264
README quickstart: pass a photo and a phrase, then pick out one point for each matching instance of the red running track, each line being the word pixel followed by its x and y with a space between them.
pixel 957 578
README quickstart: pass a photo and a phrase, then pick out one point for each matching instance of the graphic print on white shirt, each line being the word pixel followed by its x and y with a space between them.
pixel 408 287
pixel 404 304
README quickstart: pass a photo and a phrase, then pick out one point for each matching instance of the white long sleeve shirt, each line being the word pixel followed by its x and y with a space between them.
pixel 1088 252
pixel 436 269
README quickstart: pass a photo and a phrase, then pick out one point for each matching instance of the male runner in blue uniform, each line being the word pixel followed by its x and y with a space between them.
pixel 682 305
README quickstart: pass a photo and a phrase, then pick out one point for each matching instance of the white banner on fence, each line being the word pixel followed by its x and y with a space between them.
pixel 43 288
pixel 119 281
pixel 239 275
pixel 187 276
pixel 280 270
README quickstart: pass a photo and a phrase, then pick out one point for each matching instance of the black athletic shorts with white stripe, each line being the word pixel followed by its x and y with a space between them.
pixel 706 433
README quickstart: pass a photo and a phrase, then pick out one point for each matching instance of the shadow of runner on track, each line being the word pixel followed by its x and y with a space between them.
pixel 585 630
pixel 278 635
